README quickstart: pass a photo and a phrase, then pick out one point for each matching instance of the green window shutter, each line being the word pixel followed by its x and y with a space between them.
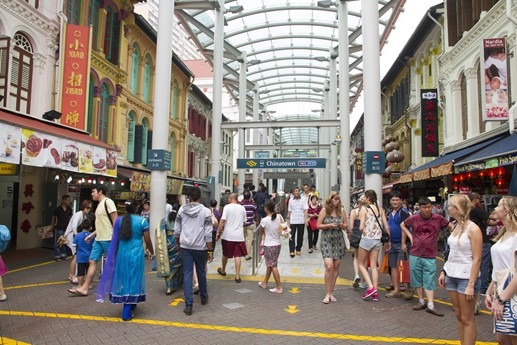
pixel 104 114
pixel 131 138
pixel 134 70
pixel 109 34
pixel 175 101
pixel 173 143
pixel 90 106
pixel 93 20
pixel 73 11
pixel 144 145
pixel 138 143
pixel 147 79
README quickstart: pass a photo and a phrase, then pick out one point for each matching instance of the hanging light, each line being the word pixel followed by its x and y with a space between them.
pixel 122 183
pixel 69 179
pixel 501 171
pixel 482 173
pixel 499 181
pixel 455 178
pixel 112 181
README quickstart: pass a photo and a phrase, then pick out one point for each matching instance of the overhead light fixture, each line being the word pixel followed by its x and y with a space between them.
pixel 254 61
pixel 235 9
pixel 321 58
pixel 317 89
pixel 263 92
pixel 325 3
pixel 69 179
pixel 52 115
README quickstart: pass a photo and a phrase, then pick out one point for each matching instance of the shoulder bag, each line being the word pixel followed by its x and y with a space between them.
pixel 385 238
pixel 107 213
pixel 508 325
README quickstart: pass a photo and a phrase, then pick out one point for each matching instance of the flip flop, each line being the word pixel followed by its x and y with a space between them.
pixel 220 271
pixel 77 293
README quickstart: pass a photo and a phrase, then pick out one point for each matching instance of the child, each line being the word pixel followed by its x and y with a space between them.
pixel 84 250
pixel 270 228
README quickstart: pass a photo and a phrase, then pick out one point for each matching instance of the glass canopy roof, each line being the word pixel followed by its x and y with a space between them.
pixel 287 45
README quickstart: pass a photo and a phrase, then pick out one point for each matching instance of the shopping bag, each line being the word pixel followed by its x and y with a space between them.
pixel 403 268
pixel 385 265
pixel 45 231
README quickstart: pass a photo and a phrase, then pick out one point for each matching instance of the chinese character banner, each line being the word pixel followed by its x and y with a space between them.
pixel 429 114
pixel 495 75
pixel 10 141
pixel 75 76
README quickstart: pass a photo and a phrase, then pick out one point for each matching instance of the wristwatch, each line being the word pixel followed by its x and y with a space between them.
pixel 500 300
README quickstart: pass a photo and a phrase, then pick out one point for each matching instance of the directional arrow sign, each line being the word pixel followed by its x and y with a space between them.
pixel 294 290
pixel 176 302
pixel 292 309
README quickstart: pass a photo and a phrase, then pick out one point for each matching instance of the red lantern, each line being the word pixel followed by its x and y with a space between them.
pixel 469 175
pixel 455 178
pixel 462 177
pixel 491 173
pixel 455 187
pixel 500 171
pixel 499 182
pixel 482 173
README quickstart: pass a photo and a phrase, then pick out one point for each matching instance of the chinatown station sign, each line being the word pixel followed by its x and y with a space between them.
pixel 75 76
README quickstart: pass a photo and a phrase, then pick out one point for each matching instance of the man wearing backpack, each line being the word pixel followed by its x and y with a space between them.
pixel 105 216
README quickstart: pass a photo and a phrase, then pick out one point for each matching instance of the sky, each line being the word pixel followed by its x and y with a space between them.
pixel 414 11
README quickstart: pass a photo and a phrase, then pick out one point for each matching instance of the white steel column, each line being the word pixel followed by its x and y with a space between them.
pixel 241 173
pixel 255 132
pixel 333 116
pixel 325 186
pixel 344 104
pixel 162 95
pixel 471 75
pixel 217 103
pixel 372 88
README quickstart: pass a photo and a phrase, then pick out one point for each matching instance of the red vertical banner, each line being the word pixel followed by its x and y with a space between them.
pixel 429 114
pixel 75 74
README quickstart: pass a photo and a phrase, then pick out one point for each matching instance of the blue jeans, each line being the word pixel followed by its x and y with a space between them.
pixel 191 257
pixel 485 267
pixel 59 252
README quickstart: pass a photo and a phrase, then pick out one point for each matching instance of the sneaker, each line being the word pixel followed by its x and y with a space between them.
pixel 433 311
pixel 420 306
pixel 3 298
pixel 195 289
pixel 363 285
pixel 298 252
pixel 357 280
pixel 369 292
pixel 394 294
pixel 276 290
pixel 375 296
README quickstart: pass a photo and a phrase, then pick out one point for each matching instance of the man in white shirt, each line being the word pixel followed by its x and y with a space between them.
pixel 298 218
pixel 231 232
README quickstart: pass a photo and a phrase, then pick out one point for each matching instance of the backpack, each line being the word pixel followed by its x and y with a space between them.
pixel 5 237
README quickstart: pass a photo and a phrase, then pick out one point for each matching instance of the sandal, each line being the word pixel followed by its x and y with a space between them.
pixel 276 290
pixel 220 271
pixel 261 285
pixel 326 300
pixel 168 292
pixel 333 299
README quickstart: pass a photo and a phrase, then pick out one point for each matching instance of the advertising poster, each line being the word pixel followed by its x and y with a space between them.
pixel 52 151
pixel 99 160
pixel 111 163
pixel 69 155
pixel 32 147
pixel 495 76
pixel 85 158
pixel 10 143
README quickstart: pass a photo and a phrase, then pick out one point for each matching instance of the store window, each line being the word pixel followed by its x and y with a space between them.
pixel 103 123
pixel 73 11
pixel 93 20
pixel 173 148
pixel 134 68
pixel 175 100
pixel 21 78
pixel 131 136
pixel 4 67
pixel 147 79
pixel 112 36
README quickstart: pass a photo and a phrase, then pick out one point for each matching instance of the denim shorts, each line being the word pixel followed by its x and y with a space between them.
pixel 369 244
pixel 460 285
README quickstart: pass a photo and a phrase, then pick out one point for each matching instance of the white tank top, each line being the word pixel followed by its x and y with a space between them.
pixel 459 263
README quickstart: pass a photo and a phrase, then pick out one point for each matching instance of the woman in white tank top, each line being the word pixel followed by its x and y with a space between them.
pixel 460 274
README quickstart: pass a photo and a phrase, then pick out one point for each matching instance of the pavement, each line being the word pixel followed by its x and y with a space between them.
pixel 39 310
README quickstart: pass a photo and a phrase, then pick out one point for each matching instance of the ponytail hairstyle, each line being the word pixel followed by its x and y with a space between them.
pixel 270 206
pixel 461 203
pixel 372 196
pixel 173 213
pixel 126 231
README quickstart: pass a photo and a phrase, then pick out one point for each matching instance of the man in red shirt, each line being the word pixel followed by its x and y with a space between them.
pixel 426 227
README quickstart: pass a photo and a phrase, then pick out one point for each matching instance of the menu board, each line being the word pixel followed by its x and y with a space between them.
pixel 10 141
pixel 111 163
pixel 85 158
pixel 36 147
pixel 69 155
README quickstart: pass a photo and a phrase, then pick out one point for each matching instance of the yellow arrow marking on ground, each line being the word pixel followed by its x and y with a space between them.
pixel 296 270
pixel 294 290
pixel 8 341
pixel 292 309
pixel 317 271
pixel 176 302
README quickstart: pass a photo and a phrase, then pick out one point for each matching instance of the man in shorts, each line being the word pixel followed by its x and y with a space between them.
pixel 426 228
pixel 231 232
pixel 105 216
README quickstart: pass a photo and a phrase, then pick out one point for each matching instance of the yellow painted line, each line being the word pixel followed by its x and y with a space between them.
pixel 285 279
pixel 29 267
pixel 251 330
pixel 8 341
pixel 36 285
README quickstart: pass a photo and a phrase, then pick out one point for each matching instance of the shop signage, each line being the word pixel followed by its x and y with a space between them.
pixel 140 182
pixel 281 163
pixel 503 160
pixel 429 114
pixel 261 154
pixel 159 160
pixel 75 76
pixel 465 190
pixel 495 74
pixel 7 169
pixel 10 141
pixel 359 164
pixel 373 162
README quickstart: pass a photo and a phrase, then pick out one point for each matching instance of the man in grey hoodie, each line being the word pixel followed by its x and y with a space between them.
pixel 193 231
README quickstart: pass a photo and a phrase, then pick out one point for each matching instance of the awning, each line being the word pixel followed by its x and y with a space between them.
pixel 502 152
pixel 30 122
pixel 443 165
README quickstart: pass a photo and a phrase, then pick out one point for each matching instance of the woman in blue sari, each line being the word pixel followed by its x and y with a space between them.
pixel 123 279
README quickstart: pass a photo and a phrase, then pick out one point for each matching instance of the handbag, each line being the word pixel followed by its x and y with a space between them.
pixel 345 238
pixel 355 238
pixel 385 265
pixel 62 241
pixel 215 222
pixel 508 325
pixel 385 237
pixel 403 272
